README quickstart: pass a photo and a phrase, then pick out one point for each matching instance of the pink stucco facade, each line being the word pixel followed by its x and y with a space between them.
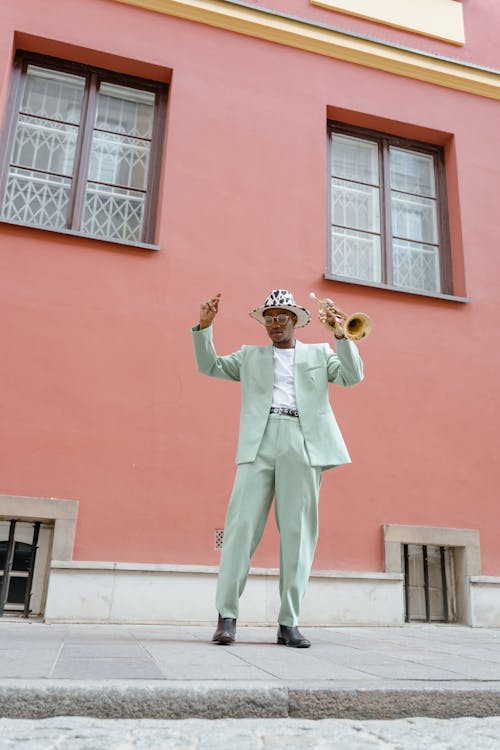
pixel 100 398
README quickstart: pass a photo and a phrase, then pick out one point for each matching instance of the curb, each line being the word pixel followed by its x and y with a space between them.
pixel 394 703
pixel 21 699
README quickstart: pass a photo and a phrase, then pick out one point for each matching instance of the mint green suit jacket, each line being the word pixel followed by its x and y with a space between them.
pixel 316 365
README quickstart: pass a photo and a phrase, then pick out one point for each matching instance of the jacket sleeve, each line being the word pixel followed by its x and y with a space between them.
pixel 344 366
pixel 207 360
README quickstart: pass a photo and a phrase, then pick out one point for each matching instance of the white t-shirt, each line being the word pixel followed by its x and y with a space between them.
pixel 284 378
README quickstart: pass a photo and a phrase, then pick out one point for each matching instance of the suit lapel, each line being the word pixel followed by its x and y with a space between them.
pixel 299 362
pixel 300 354
pixel 265 369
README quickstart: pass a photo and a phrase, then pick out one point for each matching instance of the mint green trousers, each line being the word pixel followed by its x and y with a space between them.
pixel 281 470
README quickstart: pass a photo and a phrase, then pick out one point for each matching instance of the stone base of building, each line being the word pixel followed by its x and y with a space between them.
pixel 170 594
pixel 121 592
pixel 485 601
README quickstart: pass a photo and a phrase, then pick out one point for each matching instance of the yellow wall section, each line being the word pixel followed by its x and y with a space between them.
pixel 331 43
pixel 442 19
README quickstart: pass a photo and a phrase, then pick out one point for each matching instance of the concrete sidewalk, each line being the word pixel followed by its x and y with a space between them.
pixel 175 672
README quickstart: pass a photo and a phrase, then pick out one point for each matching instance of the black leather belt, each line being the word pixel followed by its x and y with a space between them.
pixel 285 411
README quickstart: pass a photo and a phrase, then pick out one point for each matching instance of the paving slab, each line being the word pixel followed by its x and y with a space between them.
pixel 249 734
pixel 176 672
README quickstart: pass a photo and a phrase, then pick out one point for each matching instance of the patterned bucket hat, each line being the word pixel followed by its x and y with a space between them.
pixel 284 299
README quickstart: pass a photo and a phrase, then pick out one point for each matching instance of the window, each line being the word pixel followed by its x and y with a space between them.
pixel 388 212
pixel 429 583
pixel 84 151
pixel 24 566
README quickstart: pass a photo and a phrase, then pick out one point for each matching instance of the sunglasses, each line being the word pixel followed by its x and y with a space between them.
pixel 281 319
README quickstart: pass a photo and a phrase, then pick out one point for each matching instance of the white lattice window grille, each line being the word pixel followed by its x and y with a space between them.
pixel 80 155
pixel 388 212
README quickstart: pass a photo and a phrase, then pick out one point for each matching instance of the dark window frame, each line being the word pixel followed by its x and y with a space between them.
pixel 384 142
pixel 94 76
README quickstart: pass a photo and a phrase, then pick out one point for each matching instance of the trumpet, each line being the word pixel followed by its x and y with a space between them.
pixel 355 327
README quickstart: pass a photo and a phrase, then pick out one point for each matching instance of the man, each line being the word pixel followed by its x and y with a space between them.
pixel 288 437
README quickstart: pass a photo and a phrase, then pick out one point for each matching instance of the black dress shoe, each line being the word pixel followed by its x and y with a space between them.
pixel 292 637
pixel 226 631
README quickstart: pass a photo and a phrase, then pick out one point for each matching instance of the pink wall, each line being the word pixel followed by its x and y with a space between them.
pixel 100 398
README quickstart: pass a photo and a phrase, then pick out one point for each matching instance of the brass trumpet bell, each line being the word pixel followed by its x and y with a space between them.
pixel 357 326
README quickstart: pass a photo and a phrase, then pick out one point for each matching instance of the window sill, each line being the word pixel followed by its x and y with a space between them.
pixel 415 292
pixel 72 233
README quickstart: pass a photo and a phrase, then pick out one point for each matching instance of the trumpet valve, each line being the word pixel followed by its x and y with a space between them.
pixel 326 308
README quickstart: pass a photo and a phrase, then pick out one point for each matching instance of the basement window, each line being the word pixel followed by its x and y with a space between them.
pixel 24 562
pixel 429 583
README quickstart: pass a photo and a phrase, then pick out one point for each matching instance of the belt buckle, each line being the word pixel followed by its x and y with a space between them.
pixel 283 410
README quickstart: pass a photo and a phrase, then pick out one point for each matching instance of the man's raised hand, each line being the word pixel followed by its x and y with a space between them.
pixel 208 311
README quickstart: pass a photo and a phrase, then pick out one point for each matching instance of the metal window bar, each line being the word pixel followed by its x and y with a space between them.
pixel 31 570
pixel 407 582
pixel 442 551
pixel 426 584
pixel 8 567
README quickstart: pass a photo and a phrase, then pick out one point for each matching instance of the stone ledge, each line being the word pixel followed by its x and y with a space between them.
pixel 124 700
pixel 95 565
pixel 397 703
pixel 20 699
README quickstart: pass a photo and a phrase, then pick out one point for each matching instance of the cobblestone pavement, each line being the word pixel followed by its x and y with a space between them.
pixel 70 733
